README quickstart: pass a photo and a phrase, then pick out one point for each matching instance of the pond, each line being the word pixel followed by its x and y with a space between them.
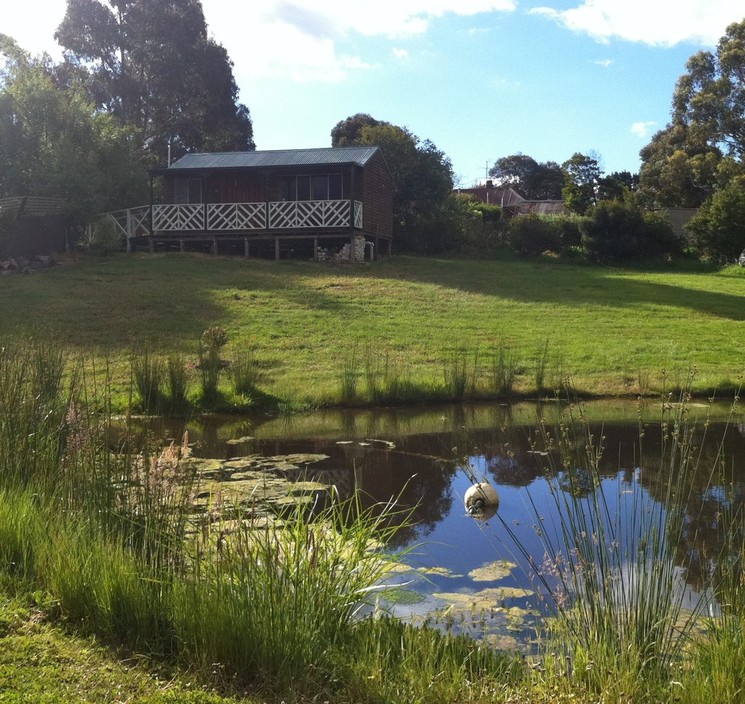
pixel 480 576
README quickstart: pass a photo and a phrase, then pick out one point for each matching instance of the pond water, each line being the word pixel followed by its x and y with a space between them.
pixel 469 574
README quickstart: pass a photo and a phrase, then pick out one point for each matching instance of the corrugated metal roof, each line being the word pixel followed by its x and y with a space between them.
pixel 275 158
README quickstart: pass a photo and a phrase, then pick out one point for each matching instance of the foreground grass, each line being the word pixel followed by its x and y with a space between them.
pixel 42 662
pixel 414 323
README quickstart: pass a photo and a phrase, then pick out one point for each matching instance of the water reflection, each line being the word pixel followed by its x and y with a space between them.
pixel 420 457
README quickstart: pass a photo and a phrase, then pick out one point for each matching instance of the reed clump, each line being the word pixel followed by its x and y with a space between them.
pixel 615 558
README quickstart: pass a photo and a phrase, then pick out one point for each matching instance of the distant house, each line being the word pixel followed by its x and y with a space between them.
pixel 511 202
pixel 283 203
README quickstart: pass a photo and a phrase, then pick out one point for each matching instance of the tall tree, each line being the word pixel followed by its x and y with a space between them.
pixel 581 181
pixel 531 179
pixel 53 142
pixel 710 96
pixel 703 147
pixel 152 64
pixel 348 132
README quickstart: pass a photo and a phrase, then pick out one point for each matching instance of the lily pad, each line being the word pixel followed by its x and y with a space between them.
pixel 492 571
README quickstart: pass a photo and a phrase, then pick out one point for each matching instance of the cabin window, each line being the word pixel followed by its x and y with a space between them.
pixel 303 188
pixel 335 190
pixel 187 190
pixel 319 187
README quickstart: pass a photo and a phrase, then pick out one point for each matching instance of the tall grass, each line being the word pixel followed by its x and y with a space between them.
pixel 461 371
pixel 244 372
pixel 504 370
pixel 177 381
pixel 148 375
pixel 612 566
pixel 274 602
pixel 110 534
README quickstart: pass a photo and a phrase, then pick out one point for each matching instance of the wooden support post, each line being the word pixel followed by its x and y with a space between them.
pixel 181 247
pixel 214 245
pixel 315 249
pixel 246 248
pixel 276 249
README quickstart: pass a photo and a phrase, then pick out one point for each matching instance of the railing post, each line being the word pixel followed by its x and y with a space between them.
pixel 129 233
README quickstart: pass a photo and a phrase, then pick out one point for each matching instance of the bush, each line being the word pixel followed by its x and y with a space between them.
pixel 532 235
pixel 105 239
pixel 617 231
pixel 718 228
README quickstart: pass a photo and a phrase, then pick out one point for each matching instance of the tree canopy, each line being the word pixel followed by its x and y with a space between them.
pixel 151 64
pixel 703 147
pixel 531 179
pixel 53 142
pixel 581 182
pixel 423 205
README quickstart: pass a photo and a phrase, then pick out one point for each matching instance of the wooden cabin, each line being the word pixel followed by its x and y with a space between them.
pixel 290 203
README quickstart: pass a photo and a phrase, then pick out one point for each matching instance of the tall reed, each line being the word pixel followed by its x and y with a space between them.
pixel 505 368
pixel 148 374
pixel 460 373
pixel 611 566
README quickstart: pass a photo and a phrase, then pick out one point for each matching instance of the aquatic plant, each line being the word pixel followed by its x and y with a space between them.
pixel 612 566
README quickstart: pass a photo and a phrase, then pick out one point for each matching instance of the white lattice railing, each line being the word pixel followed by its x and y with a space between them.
pixel 236 216
pixel 309 213
pixel 183 218
pixel 132 222
pixel 284 215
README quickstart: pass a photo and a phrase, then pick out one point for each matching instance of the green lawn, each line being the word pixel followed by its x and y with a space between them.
pixel 612 331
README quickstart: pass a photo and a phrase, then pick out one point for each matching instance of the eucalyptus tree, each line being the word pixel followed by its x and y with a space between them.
pixel 703 147
pixel 152 64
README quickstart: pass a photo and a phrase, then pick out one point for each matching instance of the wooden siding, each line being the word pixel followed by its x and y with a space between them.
pixel 378 198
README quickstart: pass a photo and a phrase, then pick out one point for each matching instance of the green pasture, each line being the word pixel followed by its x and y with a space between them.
pixel 606 331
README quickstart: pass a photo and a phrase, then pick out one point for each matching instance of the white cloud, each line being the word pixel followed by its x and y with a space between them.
pixel 306 40
pixel 605 63
pixel 653 22
pixel 642 129
pixel 400 53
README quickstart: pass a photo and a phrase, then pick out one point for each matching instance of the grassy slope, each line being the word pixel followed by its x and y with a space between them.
pixel 608 328
pixel 40 663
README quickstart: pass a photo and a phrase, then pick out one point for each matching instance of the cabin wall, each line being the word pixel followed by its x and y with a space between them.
pixel 378 185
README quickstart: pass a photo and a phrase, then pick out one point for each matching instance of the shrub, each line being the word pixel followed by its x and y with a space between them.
pixel 531 235
pixel 104 238
pixel 718 228
pixel 616 231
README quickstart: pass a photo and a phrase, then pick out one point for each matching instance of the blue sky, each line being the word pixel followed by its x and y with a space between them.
pixel 481 79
